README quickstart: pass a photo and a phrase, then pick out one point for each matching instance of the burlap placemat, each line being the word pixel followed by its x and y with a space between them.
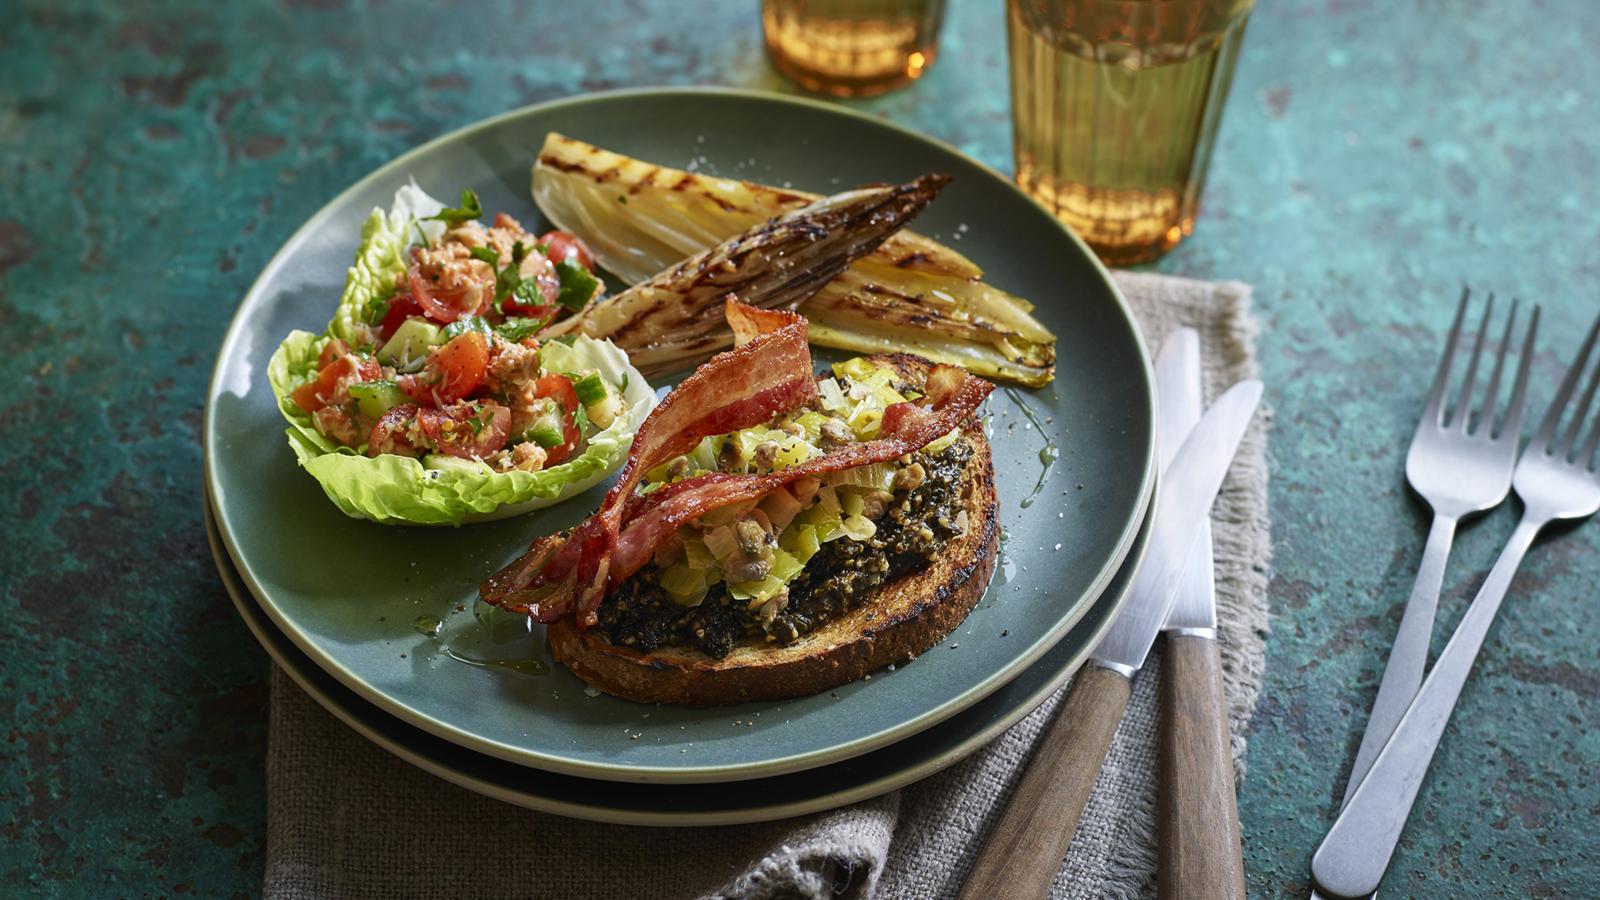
pixel 346 819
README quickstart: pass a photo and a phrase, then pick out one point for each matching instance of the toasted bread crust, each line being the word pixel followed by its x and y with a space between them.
pixel 902 620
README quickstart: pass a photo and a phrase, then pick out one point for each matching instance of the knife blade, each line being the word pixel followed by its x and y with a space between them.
pixel 1200 847
pixel 1188 487
pixel 1025 847
pixel 1180 406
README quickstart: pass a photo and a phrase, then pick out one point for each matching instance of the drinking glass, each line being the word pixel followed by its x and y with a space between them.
pixel 1115 107
pixel 852 48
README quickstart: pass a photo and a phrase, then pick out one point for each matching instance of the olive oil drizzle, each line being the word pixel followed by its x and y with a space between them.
pixel 1048 454
pixel 528 666
pixel 428 626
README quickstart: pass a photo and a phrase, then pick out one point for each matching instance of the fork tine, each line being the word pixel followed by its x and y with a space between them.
pixel 1573 427
pixel 1486 415
pixel 1434 410
pixel 1512 423
pixel 1463 411
pixel 1552 418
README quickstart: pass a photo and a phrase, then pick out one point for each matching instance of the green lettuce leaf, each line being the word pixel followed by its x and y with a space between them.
pixel 381 259
pixel 444 490
pixel 437 489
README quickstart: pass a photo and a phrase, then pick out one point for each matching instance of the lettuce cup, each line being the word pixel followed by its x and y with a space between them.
pixel 429 401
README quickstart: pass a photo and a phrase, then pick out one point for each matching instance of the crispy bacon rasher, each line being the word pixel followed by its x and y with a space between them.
pixel 767 373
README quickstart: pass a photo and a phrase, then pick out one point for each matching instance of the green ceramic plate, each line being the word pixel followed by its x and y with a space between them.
pixel 760 800
pixel 348 593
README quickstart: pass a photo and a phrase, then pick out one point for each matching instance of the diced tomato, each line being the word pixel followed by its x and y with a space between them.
pixel 569 442
pixel 559 388
pixel 453 371
pixel 401 308
pixel 389 433
pixel 466 430
pixel 564 245
pixel 448 307
pixel 345 370
pixel 331 351
pixel 461 365
pixel 514 307
pixel 314 394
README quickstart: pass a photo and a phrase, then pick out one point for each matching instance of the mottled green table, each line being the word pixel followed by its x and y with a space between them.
pixel 1375 156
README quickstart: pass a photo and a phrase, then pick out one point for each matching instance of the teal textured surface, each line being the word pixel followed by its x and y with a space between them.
pixel 1374 157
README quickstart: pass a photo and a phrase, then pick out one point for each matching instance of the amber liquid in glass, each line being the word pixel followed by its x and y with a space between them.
pixel 852 48
pixel 1116 105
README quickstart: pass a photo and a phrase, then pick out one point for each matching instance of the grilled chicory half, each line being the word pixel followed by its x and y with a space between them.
pixel 674 319
pixel 429 399
pixel 910 293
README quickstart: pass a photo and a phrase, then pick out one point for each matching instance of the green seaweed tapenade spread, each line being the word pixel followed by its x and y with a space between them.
pixel 839 578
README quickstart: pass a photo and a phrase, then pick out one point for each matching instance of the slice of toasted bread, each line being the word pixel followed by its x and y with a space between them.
pixel 901 620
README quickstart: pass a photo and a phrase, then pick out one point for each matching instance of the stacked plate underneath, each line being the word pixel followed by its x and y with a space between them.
pixel 376 622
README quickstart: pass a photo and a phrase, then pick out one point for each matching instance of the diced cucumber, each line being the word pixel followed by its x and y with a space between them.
pixel 408 348
pixel 605 411
pixel 591 389
pixel 546 430
pixel 378 397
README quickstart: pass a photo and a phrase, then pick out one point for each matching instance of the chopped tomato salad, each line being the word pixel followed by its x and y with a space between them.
pixel 449 362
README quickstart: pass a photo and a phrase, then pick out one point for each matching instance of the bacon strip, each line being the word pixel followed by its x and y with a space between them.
pixel 657 519
pixel 768 373
pixel 532 583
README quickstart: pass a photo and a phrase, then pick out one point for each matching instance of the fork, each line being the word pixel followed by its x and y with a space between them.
pixel 1461 464
pixel 1556 478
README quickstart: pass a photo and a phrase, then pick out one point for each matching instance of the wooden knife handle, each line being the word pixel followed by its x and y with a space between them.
pixel 1025 847
pixel 1200 855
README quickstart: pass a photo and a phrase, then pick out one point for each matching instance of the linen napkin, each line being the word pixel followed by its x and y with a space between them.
pixel 346 819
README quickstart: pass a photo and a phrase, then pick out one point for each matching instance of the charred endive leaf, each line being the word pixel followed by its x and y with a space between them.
pixel 910 293
pixel 675 319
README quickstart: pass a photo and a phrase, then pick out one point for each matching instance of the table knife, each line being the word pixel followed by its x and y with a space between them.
pixel 1199 849
pixel 1026 845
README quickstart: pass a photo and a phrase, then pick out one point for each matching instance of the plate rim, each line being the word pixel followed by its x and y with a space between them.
pixel 610 771
pixel 618 815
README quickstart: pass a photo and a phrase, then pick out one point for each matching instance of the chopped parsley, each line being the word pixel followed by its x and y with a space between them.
pixel 469 209
pixel 517 328
pixel 466 324
pixel 580 418
pixel 508 282
pixel 577 285
pixel 376 309
pixel 477 426
pixel 528 294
